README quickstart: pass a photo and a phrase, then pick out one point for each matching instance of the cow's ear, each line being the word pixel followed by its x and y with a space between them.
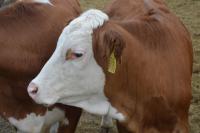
pixel 114 44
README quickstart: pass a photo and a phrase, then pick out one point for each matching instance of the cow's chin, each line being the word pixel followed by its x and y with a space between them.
pixel 45 102
pixel 70 101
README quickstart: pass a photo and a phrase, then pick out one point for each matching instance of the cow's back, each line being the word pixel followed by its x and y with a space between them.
pixel 37 24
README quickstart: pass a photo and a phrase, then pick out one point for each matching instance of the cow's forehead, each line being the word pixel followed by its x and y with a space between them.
pixel 87 22
pixel 81 28
pixel 74 40
pixel 43 1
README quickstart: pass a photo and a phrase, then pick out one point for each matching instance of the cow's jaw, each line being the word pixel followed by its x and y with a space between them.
pixel 98 104
pixel 77 82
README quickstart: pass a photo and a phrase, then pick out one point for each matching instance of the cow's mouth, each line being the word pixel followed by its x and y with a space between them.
pixel 45 102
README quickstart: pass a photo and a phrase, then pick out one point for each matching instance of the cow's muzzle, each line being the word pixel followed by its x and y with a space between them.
pixel 32 90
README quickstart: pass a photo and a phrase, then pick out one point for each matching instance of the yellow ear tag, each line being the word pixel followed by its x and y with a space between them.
pixel 112 65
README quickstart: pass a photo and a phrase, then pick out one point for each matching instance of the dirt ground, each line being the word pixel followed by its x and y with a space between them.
pixel 189 13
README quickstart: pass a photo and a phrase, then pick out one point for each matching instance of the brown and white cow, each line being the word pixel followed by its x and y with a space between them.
pixel 133 63
pixel 29 31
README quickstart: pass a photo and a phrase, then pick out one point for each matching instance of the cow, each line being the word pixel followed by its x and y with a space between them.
pixel 29 30
pixel 132 62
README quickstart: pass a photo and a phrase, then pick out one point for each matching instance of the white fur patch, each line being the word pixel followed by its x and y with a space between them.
pixel 36 123
pixel 87 22
pixel 43 1
pixel 98 104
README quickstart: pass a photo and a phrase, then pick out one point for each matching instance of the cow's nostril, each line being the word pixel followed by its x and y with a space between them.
pixel 32 89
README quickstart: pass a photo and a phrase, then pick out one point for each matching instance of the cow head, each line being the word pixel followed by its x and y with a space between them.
pixel 72 75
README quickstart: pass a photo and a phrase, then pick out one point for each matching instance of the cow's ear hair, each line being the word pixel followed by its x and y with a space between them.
pixel 114 43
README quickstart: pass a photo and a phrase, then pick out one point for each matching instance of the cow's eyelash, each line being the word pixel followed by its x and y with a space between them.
pixel 78 55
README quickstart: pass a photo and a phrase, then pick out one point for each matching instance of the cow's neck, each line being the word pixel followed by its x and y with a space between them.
pixel 118 85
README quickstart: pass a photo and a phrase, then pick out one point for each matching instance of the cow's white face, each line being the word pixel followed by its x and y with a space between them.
pixel 72 74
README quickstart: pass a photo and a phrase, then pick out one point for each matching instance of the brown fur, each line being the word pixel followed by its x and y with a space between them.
pixel 28 36
pixel 152 83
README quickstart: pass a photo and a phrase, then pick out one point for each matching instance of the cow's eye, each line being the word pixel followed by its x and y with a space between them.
pixel 78 55
pixel 70 55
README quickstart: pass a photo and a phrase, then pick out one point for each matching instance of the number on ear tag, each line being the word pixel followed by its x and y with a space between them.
pixel 112 65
